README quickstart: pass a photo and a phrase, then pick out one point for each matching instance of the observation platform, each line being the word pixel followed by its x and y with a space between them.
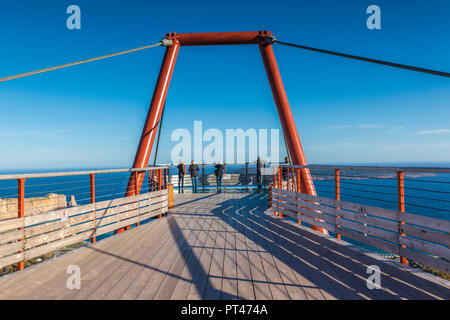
pixel 221 246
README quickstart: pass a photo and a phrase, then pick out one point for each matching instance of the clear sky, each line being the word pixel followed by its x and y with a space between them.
pixel 346 111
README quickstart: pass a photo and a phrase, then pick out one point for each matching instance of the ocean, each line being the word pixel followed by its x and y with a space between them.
pixel 425 194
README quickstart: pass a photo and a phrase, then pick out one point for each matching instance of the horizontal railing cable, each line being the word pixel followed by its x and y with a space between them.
pixel 27 74
pixel 381 62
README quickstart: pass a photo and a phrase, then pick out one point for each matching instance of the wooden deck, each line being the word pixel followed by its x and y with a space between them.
pixel 221 246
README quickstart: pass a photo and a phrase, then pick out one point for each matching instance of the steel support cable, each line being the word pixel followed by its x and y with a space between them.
pixel 27 74
pixel 159 134
pixel 382 62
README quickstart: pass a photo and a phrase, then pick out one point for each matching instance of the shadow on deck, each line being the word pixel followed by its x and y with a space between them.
pixel 221 246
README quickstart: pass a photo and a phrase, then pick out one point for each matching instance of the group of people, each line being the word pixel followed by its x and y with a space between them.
pixel 194 173
pixel 218 172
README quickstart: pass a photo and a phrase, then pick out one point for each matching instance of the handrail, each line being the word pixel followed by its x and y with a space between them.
pixel 372 168
pixel 72 173
pixel 417 237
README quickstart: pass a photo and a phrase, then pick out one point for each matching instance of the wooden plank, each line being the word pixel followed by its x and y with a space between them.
pixel 200 279
pixel 370 241
pixel 428 247
pixel 10 248
pixel 350 206
pixel 259 279
pixel 38 251
pixel 101 270
pixel 245 285
pixel 117 283
pixel 166 290
pixel 370 220
pixel 53 279
pixel 55 225
pixel 183 285
pixel 425 259
pixel 11 236
pixel 426 234
pixel 9 260
pixel 229 277
pixel 214 283
pixel 106 259
pixel 166 258
pixel 427 222
pixel 52 215
pixel 11 224
pixel 58 234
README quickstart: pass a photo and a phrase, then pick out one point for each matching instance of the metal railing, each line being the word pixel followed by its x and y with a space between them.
pixel 401 210
pixel 237 176
pixel 36 217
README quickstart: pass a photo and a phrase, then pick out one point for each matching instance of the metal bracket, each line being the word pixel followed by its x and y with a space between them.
pixel 269 39
pixel 166 42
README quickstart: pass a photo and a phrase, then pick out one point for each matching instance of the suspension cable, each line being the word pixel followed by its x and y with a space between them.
pixel 159 134
pixel 27 74
pixel 350 56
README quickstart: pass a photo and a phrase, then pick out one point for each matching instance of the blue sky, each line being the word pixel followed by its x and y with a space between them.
pixel 346 111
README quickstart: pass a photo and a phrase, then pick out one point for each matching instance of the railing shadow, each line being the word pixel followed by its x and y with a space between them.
pixel 331 267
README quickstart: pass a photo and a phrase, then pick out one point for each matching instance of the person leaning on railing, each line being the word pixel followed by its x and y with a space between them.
pixel 181 174
pixel 219 174
pixel 193 171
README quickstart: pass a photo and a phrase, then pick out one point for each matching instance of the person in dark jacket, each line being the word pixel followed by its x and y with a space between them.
pixel 259 176
pixel 219 174
pixel 181 173
pixel 193 171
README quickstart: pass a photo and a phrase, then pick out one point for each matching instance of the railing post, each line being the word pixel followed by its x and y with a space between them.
pixel 160 188
pixel 280 184
pixel 149 177
pixel 136 192
pixel 92 187
pixel 270 196
pixel 21 212
pixel 274 185
pixel 246 176
pixel 337 196
pixel 223 181
pixel 165 178
pixel 287 180
pixel 263 180
pixel 184 180
pixel 299 190
pixel 280 178
pixel 401 205
pixel 203 173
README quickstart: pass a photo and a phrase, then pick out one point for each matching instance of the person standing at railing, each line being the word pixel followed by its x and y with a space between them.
pixel 193 171
pixel 259 175
pixel 181 174
pixel 219 174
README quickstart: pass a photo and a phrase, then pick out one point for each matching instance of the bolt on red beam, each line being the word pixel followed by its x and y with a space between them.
pixel 218 38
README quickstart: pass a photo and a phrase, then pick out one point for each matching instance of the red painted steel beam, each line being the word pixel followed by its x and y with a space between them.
pixel 287 120
pixel 218 38
pixel 153 117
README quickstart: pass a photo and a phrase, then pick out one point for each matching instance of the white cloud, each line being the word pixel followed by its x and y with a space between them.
pixel 358 126
pixel 438 131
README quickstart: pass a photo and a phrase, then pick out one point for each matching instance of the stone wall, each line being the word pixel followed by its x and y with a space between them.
pixel 52 201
